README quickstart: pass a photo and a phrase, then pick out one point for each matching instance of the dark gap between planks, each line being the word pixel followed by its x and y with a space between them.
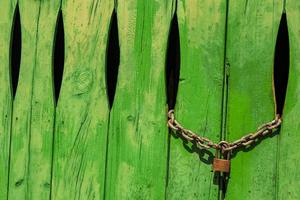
pixel 15 50
pixel 173 63
pixel 58 55
pixel 172 73
pixel 281 64
pixel 112 59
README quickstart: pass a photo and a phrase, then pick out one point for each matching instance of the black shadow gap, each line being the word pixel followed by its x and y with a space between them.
pixel 15 50
pixel 58 55
pixel 281 64
pixel 172 75
pixel 112 59
pixel 173 63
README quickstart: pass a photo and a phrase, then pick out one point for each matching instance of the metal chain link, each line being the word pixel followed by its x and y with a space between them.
pixel 224 146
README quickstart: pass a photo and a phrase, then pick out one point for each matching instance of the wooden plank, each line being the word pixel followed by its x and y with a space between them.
pixel 288 161
pixel 82 110
pixel 7 9
pixel 252 32
pixel 137 153
pixel 33 114
pixel 199 101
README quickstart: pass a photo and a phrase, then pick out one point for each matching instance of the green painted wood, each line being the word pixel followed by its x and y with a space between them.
pixel 252 32
pixel 82 110
pixel 199 100
pixel 288 161
pixel 137 153
pixel 33 113
pixel 7 9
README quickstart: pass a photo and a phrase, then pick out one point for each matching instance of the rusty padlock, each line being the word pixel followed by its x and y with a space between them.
pixel 221 165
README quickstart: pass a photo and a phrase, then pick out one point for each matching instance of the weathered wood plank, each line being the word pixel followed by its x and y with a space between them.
pixel 82 110
pixel 33 113
pixel 252 32
pixel 199 101
pixel 7 9
pixel 137 161
pixel 289 159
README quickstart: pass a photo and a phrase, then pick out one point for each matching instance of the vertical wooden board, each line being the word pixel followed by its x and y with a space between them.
pixel 288 162
pixel 252 32
pixel 43 105
pixel 199 101
pixel 137 152
pixel 33 113
pixel 82 110
pixel 7 9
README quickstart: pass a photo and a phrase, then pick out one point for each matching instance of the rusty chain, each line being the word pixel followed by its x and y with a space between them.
pixel 223 146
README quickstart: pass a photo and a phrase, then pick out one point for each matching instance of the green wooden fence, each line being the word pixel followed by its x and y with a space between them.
pixel 79 148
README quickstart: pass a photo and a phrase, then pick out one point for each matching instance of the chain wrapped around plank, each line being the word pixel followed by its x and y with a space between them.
pixel 223 146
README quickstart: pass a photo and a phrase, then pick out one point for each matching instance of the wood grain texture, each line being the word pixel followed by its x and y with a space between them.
pixel 82 110
pixel 199 101
pixel 289 159
pixel 33 113
pixel 252 32
pixel 7 9
pixel 137 153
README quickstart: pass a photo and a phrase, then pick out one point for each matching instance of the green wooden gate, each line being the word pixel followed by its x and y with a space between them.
pixel 83 148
